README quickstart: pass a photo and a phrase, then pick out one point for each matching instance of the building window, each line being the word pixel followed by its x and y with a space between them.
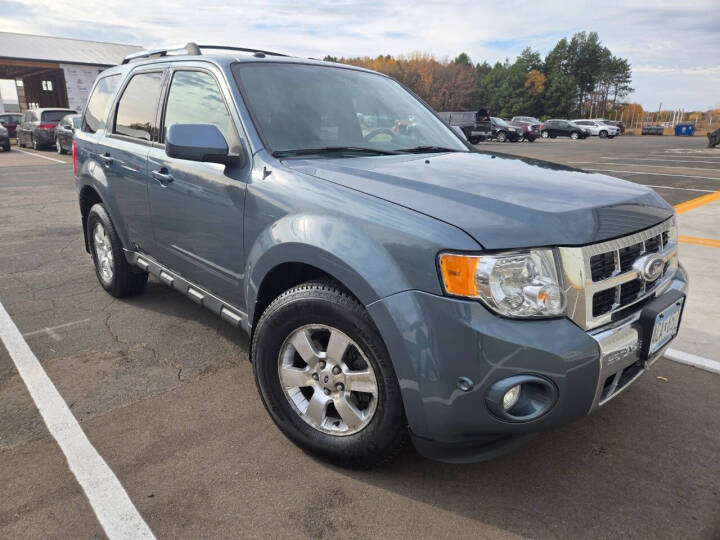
pixel 47 86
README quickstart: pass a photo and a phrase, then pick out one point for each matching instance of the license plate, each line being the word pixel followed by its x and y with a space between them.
pixel 666 326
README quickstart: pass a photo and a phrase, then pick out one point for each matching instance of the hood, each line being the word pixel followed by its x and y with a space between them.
pixel 503 202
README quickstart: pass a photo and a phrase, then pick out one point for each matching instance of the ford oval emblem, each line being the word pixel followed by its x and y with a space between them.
pixel 650 267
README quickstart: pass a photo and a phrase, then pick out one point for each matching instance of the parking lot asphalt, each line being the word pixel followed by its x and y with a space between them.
pixel 164 392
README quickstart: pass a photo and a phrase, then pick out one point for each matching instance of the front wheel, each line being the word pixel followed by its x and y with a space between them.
pixel 603 134
pixel 474 140
pixel 502 136
pixel 545 134
pixel 574 135
pixel 326 378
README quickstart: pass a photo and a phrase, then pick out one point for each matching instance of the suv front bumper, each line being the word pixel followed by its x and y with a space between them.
pixel 435 342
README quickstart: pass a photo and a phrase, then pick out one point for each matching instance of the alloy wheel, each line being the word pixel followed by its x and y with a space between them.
pixel 328 380
pixel 103 253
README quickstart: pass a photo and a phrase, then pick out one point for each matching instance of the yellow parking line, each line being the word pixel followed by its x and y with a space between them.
pixel 694 203
pixel 710 242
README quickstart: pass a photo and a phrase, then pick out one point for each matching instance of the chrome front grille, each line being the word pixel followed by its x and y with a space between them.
pixel 600 278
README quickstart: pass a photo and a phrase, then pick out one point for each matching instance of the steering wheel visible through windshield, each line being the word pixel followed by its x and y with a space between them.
pixel 307 109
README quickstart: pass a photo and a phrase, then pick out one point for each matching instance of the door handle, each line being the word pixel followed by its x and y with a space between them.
pixel 162 176
pixel 106 159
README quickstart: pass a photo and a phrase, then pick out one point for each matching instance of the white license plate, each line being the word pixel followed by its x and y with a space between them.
pixel 666 326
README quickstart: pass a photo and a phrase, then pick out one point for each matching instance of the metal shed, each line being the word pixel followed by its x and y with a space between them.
pixel 55 72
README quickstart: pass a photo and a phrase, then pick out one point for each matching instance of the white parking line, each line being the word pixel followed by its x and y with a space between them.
pixel 648 165
pixel 38 155
pixel 50 331
pixel 655 174
pixel 109 500
pixel 662 159
pixel 693 360
pixel 682 188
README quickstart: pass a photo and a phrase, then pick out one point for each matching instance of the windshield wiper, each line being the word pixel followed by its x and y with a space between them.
pixel 332 150
pixel 426 149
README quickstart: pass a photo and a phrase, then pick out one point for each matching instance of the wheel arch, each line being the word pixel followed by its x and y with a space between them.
pixel 87 197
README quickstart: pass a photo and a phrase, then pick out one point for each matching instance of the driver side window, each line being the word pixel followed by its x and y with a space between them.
pixel 195 98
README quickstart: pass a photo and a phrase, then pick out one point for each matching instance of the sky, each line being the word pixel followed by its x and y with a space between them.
pixel 673 46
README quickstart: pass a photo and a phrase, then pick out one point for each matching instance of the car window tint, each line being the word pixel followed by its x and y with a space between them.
pixel 97 107
pixel 137 109
pixel 195 98
pixel 52 116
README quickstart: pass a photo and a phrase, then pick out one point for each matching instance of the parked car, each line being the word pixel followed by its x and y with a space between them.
pixel 502 131
pixel 480 126
pixel 10 122
pixel 38 127
pixel 527 119
pixel 393 284
pixel 64 132
pixel 562 128
pixel 618 124
pixel 598 128
pixel 530 132
pixel 4 138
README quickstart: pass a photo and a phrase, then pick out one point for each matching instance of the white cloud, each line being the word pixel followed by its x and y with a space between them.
pixel 665 40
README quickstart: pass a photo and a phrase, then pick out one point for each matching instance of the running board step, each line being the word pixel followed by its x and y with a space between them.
pixel 217 305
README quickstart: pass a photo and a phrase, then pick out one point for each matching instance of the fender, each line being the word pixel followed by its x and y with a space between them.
pixel 359 262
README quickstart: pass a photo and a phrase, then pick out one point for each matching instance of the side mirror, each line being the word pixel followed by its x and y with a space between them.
pixel 196 142
pixel 459 132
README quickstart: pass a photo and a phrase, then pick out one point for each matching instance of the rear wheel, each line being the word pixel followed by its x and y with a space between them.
pixel 58 146
pixel 325 376
pixel 113 272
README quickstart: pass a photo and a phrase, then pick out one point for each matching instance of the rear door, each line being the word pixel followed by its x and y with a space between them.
pixel 123 152
pixel 198 214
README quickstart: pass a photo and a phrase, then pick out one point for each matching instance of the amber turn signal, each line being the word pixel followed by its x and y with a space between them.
pixel 458 273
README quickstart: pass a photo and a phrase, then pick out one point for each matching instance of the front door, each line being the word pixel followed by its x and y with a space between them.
pixel 197 208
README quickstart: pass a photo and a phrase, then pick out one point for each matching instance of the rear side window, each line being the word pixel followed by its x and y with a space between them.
pixel 137 110
pixel 97 107
pixel 195 98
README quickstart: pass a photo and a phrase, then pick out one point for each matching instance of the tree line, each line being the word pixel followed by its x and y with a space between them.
pixel 578 77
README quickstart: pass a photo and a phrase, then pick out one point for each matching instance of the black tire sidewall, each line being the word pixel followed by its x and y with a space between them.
pixel 312 304
pixel 98 214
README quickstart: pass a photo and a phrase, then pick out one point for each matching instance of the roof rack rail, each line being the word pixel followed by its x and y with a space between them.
pixel 192 49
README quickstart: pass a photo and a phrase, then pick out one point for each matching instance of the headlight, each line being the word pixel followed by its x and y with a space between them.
pixel 514 283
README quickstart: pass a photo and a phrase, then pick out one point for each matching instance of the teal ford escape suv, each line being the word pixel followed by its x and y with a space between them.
pixel 397 284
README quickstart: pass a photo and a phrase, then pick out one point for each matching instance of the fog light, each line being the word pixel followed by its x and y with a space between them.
pixel 511 397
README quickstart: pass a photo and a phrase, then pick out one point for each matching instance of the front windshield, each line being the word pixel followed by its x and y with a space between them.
pixel 300 107
pixel 499 121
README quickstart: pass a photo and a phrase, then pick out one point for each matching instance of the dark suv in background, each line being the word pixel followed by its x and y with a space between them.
pixel 38 127
pixel 562 128
pixel 395 282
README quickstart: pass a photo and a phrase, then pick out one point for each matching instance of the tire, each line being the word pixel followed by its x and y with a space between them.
pixel 34 143
pixel 474 140
pixel 58 146
pixel 544 134
pixel 574 135
pixel 603 134
pixel 315 311
pixel 122 279
pixel 7 147
pixel 530 139
pixel 502 136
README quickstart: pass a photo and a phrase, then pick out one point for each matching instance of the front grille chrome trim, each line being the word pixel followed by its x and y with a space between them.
pixel 580 287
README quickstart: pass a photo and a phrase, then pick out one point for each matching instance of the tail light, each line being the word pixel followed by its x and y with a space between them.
pixel 46 126
pixel 74 152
